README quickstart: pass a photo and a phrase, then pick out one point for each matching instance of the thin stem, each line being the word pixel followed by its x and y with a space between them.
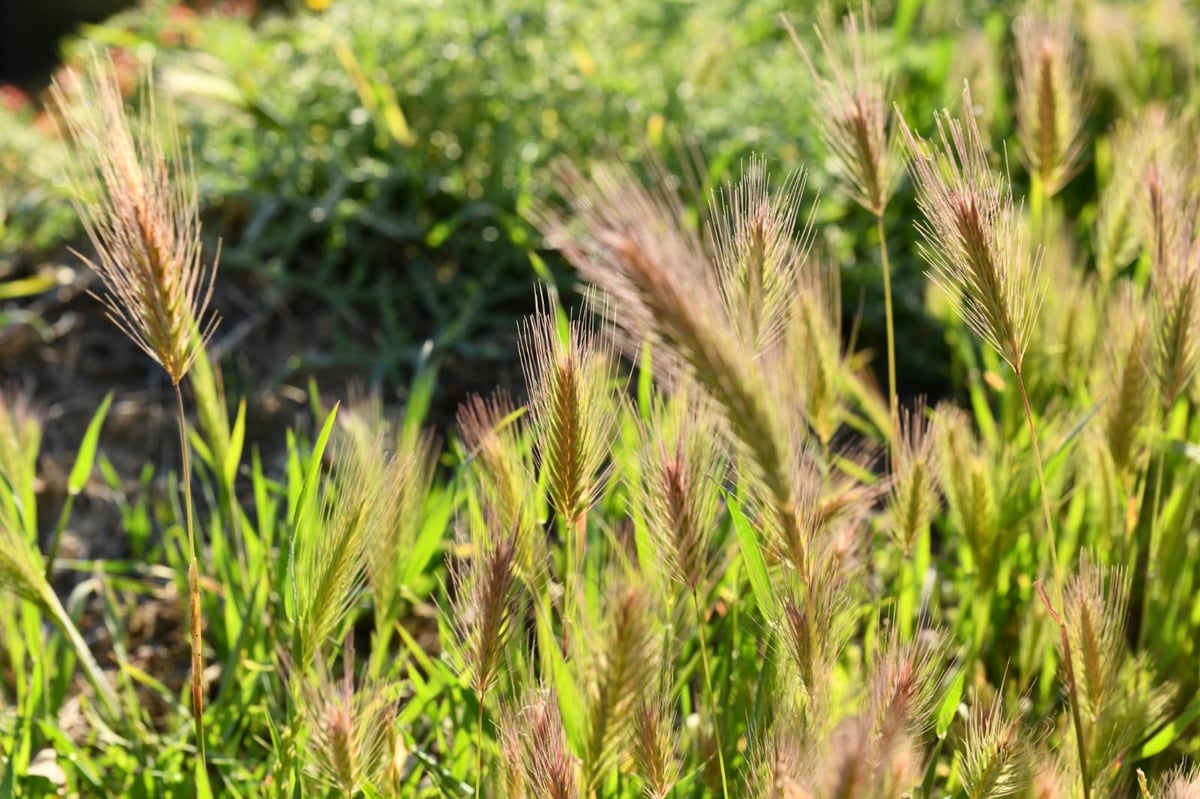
pixel 1144 551
pixel 1058 587
pixel 712 703
pixel 893 396
pixel 479 747
pixel 61 526
pixel 1038 201
pixel 193 585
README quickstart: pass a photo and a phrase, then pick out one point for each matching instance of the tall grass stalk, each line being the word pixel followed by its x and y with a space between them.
pixel 855 123
pixel 136 197
pixel 708 687
pixel 193 581
pixel 889 315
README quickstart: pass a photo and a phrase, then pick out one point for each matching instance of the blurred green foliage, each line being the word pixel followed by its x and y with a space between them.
pixel 375 160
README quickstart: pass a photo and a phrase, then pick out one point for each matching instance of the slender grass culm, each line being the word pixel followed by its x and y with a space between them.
pixel 973 238
pixel 855 121
pixel 134 192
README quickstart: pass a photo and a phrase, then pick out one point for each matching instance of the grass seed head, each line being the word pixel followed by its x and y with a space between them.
pixel 396 484
pixel 1179 783
pixel 1125 372
pixel 853 111
pixel 535 730
pixel 351 728
pixel 492 431
pixel 135 194
pixel 683 469
pixel 914 498
pixel 973 236
pixel 903 687
pixel 1051 104
pixel 485 601
pixel 1116 234
pixel 759 250
pixel 996 754
pixel 655 746
pixel 570 383
pixel 332 553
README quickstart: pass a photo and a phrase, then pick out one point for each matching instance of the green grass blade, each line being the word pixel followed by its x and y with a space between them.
pixel 86 459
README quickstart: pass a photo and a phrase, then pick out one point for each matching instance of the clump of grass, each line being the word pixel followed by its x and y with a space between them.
pixel 22 567
pixel 974 240
pixel 1115 697
pixel 330 558
pixel 632 245
pixel 134 191
pixel 396 468
pixel 618 663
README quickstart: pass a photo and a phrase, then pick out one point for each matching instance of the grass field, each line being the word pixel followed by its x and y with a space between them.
pixel 519 399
